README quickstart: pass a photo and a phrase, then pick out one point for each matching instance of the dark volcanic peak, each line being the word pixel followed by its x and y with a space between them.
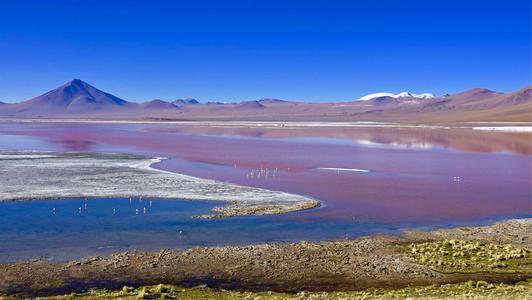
pixel 76 88
pixel 72 98
pixel 185 101
pixel 77 92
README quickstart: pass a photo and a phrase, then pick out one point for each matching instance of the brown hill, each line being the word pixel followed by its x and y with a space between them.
pixel 157 104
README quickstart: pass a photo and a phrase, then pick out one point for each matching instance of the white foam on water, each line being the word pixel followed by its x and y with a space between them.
pixel 506 128
pixel 344 170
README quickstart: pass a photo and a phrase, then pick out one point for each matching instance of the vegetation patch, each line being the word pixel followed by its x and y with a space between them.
pixel 467 256
pixel 466 290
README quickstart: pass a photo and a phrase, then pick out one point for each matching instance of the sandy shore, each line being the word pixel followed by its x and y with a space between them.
pixel 51 175
pixel 371 262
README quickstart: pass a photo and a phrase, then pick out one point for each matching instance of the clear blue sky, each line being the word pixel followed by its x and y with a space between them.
pixel 240 50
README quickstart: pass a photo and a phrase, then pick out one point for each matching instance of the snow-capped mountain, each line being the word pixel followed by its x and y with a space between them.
pixel 400 95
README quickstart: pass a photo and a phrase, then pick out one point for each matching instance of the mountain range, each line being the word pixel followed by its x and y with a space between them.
pixel 400 95
pixel 78 99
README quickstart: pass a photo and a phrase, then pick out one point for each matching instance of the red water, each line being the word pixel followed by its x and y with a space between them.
pixel 416 175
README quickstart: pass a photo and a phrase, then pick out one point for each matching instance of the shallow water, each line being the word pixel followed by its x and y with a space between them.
pixel 418 178
pixel 67 229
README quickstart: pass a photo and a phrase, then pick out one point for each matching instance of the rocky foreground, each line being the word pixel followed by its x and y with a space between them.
pixel 466 290
pixel 501 253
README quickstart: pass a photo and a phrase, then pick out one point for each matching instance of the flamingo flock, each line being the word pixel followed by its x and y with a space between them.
pixel 263 173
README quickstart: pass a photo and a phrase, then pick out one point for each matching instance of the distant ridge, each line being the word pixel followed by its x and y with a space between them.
pixel 271 100
pixel 476 93
pixel 250 104
pixel 185 101
pixel 157 104
pixel 78 99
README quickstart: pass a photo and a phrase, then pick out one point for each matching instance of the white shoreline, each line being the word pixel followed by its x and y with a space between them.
pixel 526 129
pixel 52 175
pixel 280 124
pixel 505 126
pixel 24 156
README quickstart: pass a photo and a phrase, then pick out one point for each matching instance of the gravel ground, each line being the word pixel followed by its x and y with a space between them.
pixel 344 265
